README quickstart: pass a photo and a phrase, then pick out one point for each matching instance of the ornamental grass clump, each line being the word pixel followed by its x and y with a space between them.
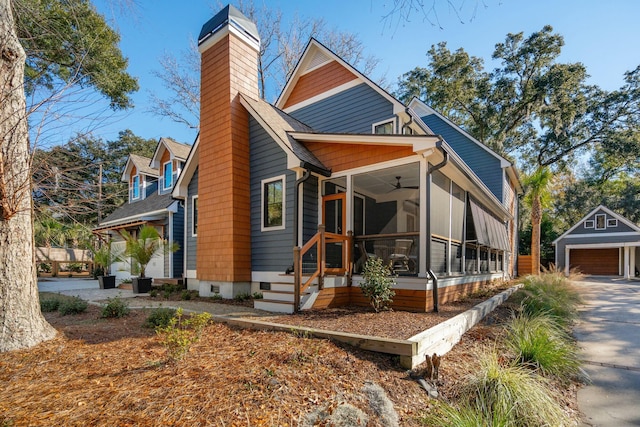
pixel 540 343
pixel 511 396
pixel 377 284
pixel 549 294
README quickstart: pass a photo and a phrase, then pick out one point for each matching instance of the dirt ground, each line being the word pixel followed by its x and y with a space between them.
pixel 109 372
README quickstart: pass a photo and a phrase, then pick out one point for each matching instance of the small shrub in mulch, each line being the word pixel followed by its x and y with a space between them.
pixel 72 305
pixel 181 333
pixel 115 308
pixel 378 284
pixel 159 317
pixel 49 305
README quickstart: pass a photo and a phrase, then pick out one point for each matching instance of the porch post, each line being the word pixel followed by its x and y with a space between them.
pixel 566 261
pixel 424 218
pixel 627 262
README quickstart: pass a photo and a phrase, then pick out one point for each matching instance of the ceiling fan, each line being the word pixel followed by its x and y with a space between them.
pixel 398 186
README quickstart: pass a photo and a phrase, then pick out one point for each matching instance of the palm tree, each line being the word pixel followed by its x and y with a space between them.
pixel 537 185
pixel 142 247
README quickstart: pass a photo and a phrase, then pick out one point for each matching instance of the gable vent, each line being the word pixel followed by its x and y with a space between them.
pixel 318 59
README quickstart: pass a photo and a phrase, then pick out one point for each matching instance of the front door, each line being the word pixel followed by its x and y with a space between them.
pixel 335 221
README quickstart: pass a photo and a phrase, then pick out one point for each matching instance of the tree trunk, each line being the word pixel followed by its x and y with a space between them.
pixel 536 218
pixel 21 322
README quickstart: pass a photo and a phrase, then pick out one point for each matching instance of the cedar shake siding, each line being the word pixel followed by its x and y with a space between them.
pixel 224 242
pixel 351 111
pixel 191 240
pixel 484 164
pixel 270 250
pixel 318 81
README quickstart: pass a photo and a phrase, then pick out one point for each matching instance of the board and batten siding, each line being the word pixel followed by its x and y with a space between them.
pixel 191 240
pixel 351 111
pixel 270 250
pixel 485 165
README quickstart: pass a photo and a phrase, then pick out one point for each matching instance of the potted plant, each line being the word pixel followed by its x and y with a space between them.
pixel 141 249
pixel 103 257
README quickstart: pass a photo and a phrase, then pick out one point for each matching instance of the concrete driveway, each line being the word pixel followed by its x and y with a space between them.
pixel 609 335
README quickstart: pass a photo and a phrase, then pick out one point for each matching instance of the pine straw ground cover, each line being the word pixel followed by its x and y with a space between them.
pixel 113 372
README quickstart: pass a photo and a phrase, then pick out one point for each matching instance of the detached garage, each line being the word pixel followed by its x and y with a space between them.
pixel 602 243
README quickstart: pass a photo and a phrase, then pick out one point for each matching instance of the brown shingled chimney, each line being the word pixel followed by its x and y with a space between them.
pixel 229 45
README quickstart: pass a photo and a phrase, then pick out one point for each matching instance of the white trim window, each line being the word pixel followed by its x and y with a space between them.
pixel 135 187
pixel 385 127
pixel 273 203
pixel 601 223
pixel 589 223
pixel 612 222
pixel 167 175
pixel 194 216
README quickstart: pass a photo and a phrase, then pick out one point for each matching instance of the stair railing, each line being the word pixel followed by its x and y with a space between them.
pixel 320 240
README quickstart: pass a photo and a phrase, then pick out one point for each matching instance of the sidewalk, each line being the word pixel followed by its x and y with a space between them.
pixel 609 335
pixel 89 290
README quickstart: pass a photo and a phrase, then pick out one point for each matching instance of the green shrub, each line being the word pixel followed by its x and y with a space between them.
pixel 257 295
pixel 540 342
pixel 159 317
pixel 115 307
pixel 510 396
pixel 166 294
pixel 153 293
pixel 49 304
pixel 72 305
pixel 243 296
pixel 377 284
pixel 180 333
pixel 187 295
pixel 216 297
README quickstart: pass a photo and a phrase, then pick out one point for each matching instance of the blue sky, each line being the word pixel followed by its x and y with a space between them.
pixel 603 35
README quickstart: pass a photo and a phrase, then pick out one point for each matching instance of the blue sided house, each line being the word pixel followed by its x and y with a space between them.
pixel 292 198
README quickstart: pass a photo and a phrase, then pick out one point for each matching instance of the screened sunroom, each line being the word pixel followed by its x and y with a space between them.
pixel 391 211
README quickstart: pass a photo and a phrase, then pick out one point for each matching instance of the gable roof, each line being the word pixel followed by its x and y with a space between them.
pixel 142 164
pixel 278 124
pixel 317 55
pixel 190 166
pixel 178 150
pixel 604 209
pixel 446 127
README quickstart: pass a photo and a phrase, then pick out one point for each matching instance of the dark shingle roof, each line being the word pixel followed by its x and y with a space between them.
pixel 281 123
pixel 152 203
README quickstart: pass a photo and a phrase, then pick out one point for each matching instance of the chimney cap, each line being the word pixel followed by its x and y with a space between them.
pixel 230 15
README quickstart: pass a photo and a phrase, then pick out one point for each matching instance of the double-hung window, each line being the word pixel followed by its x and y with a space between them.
pixel 273 203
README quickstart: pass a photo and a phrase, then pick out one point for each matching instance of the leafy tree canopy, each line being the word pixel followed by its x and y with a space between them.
pixel 66 176
pixel 70 41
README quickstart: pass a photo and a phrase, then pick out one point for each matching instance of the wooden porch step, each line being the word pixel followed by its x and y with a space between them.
pixel 126 286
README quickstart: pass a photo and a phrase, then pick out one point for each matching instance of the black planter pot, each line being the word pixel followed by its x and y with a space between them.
pixel 141 285
pixel 107 282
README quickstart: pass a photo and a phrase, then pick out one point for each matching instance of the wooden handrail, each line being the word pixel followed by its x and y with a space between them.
pixel 321 239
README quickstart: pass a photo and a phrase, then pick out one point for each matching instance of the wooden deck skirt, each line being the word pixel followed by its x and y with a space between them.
pixel 438 339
